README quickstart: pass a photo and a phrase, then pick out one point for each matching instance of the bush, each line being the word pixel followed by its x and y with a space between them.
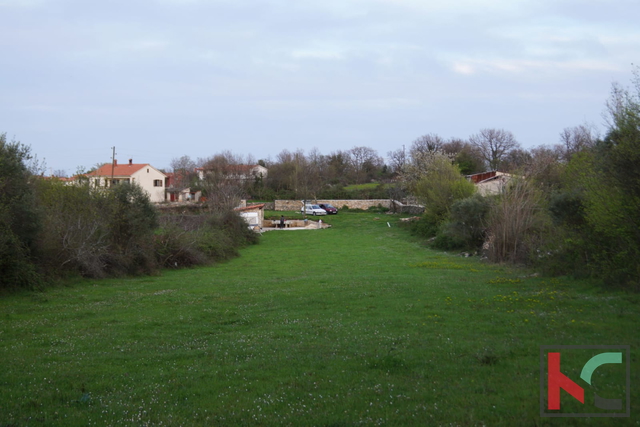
pixel 425 227
pixel 517 223
pixel 96 232
pixel 19 218
pixel 466 227
pixel 379 209
pixel 441 186
pixel 185 241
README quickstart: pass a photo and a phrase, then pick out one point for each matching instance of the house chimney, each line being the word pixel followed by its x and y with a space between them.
pixel 115 162
pixel 130 162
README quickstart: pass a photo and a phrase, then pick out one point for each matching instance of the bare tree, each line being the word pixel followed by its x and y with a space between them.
pixel 545 166
pixel 398 159
pixel 576 139
pixel 338 167
pixel 363 160
pixel 223 191
pixel 516 159
pixel 317 173
pixel 184 172
pixel 427 143
pixel 494 144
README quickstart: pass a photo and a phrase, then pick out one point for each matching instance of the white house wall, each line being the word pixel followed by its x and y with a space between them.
pixel 145 178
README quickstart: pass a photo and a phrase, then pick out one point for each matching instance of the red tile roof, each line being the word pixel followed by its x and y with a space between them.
pixel 118 170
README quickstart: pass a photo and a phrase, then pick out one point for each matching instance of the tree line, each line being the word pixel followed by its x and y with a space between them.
pixel 50 230
pixel 313 175
pixel 572 208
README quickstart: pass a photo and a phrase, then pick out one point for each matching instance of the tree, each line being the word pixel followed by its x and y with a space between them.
pixel 576 139
pixel 19 219
pixel 427 143
pixel 466 156
pixel 397 160
pixel 516 160
pixel 440 186
pixel 338 167
pixel 223 191
pixel 494 144
pixel 364 163
pixel 184 172
pixel 605 182
pixel 544 166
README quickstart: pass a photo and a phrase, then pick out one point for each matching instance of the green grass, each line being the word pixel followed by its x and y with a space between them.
pixel 368 186
pixel 358 324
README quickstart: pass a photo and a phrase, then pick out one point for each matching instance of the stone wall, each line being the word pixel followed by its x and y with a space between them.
pixel 295 205
pixel 398 207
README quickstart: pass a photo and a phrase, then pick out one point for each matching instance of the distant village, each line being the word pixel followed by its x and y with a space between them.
pixel 160 186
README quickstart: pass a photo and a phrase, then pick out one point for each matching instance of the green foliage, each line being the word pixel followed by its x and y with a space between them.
pixel 466 226
pixel 75 236
pixel 19 219
pixel 378 209
pixel 601 203
pixel 426 227
pixel 518 223
pixel 567 208
pixel 131 220
pixel 440 186
pixel 96 232
pixel 18 271
pixel 186 241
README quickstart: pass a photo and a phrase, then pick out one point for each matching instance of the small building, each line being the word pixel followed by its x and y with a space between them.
pixel 490 183
pixel 253 215
pixel 144 175
pixel 178 193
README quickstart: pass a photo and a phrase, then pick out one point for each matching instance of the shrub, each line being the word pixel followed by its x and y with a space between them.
pixel 185 241
pixel 439 187
pixel 466 227
pixel 517 223
pixel 19 219
pixel 379 209
pixel 426 226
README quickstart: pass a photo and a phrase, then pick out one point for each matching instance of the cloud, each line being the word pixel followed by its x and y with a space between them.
pixel 318 53
pixel 529 66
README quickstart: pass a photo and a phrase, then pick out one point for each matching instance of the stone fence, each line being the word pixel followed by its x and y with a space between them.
pixel 296 205
pixel 399 207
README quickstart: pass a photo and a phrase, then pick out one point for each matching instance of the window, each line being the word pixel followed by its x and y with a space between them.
pixel 157 183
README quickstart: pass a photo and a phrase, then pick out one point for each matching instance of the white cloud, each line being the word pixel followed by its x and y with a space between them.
pixel 530 66
pixel 322 54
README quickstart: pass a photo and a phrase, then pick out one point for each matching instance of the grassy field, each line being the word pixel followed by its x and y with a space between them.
pixel 358 324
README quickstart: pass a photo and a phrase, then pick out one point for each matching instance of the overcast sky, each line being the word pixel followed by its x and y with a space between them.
pixel 159 79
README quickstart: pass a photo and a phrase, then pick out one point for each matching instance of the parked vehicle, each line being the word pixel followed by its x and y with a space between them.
pixel 313 210
pixel 329 208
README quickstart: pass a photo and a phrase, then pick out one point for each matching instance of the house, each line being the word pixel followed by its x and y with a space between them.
pixel 239 172
pixel 490 183
pixel 253 215
pixel 144 175
pixel 176 193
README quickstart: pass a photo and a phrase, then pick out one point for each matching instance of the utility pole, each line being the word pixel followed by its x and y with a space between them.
pixel 113 164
